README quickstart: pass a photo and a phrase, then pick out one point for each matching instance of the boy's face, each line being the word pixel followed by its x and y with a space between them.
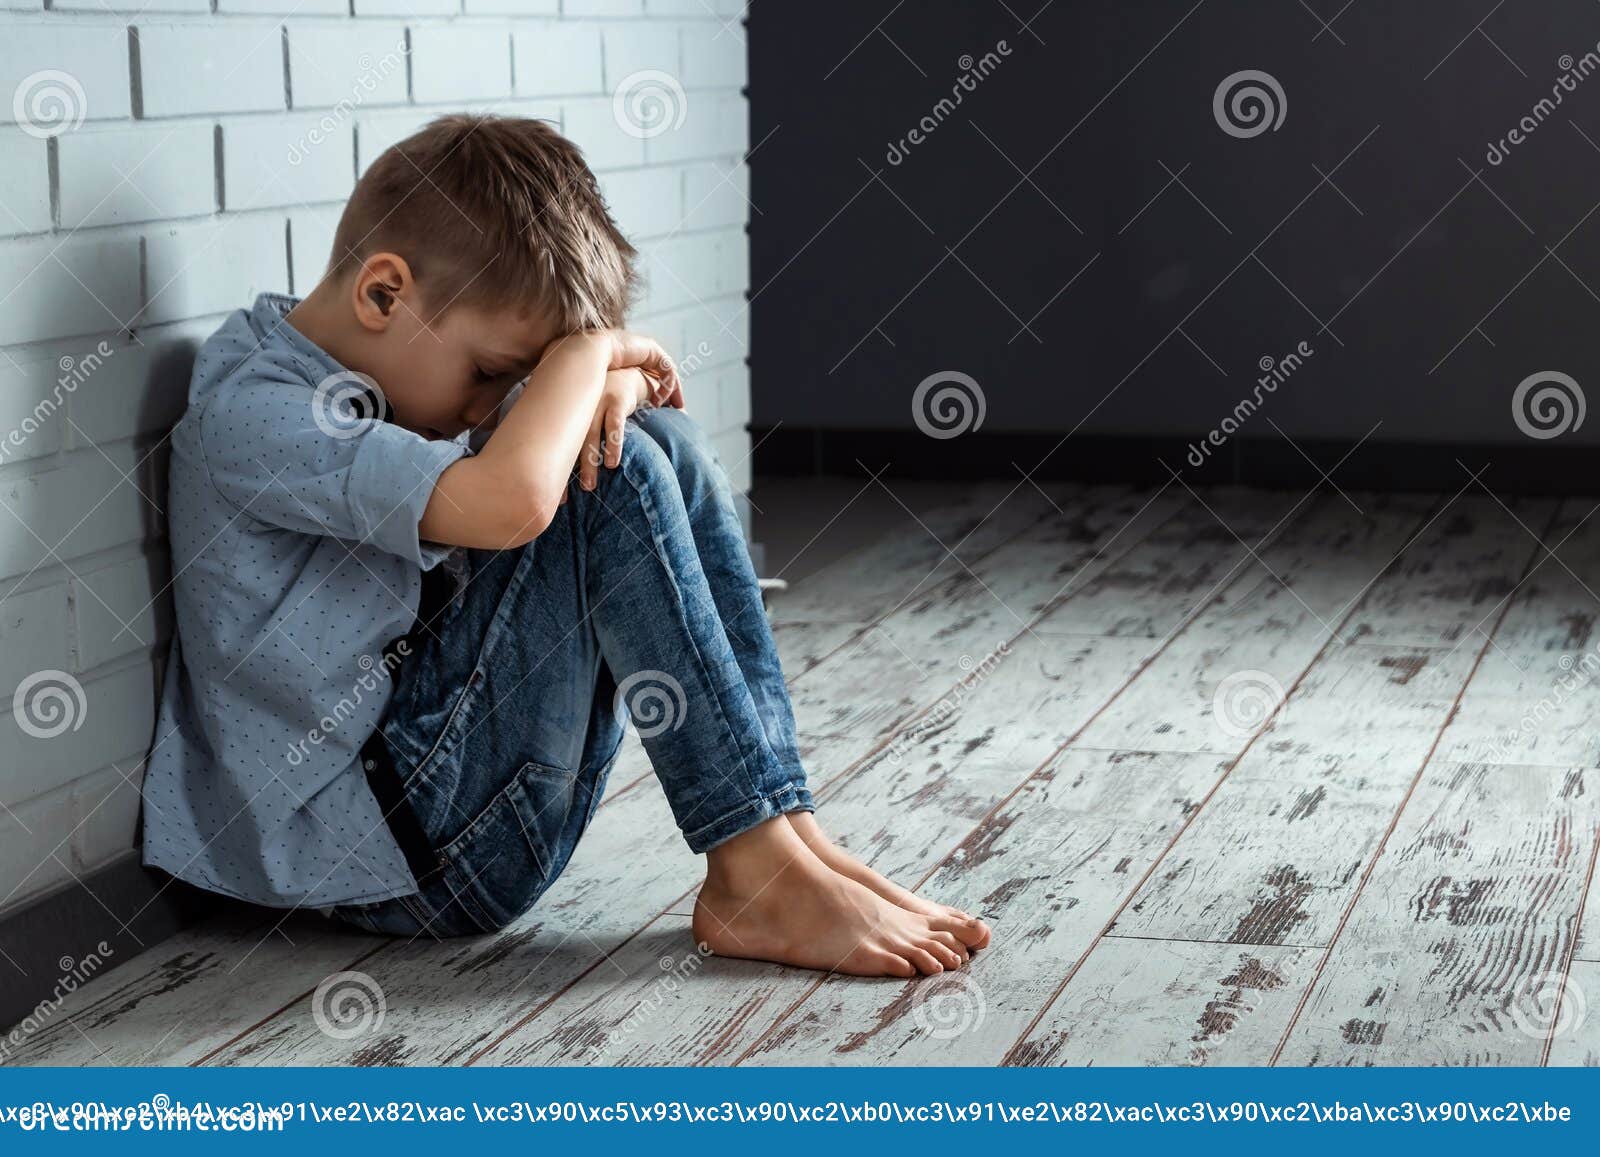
pixel 444 377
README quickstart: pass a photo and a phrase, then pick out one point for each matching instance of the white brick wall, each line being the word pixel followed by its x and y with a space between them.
pixel 204 156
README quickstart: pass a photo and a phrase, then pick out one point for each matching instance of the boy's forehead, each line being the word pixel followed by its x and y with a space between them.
pixel 511 334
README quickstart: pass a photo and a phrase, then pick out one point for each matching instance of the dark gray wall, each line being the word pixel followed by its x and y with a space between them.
pixel 858 296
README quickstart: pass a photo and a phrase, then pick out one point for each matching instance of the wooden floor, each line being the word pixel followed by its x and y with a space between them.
pixel 1237 777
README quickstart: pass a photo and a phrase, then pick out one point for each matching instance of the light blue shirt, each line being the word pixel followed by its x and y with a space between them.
pixel 293 522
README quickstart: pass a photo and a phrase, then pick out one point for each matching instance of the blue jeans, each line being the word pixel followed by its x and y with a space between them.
pixel 511 704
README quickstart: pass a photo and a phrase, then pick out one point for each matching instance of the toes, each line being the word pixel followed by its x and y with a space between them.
pixel 891 965
pixel 943 953
pixel 971 931
pixel 950 941
pixel 925 961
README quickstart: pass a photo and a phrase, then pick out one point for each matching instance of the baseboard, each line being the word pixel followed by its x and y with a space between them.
pixel 1521 468
pixel 65 938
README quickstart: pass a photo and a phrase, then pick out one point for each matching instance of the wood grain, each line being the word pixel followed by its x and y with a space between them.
pixel 1470 911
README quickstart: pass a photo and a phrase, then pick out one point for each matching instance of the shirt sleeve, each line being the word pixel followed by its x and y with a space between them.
pixel 366 482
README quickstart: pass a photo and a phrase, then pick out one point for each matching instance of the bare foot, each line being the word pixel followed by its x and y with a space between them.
pixel 974 933
pixel 768 897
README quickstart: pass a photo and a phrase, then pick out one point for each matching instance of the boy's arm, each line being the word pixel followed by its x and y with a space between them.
pixel 506 494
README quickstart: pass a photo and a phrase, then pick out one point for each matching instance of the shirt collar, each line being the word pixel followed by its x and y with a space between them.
pixel 268 318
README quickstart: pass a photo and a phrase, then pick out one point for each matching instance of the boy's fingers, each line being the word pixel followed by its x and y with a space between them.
pixel 589 460
pixel 615 421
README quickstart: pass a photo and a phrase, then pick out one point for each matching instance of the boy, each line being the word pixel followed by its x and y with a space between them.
pixel 358 717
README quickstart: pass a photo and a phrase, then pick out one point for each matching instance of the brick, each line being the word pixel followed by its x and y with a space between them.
pixel 24 184
pixel 461 62
pixel 374 134
pixel 678 270
pixel 640 47
pixel 733 449
pixel 297 160
pixel 714 55
pixel 733 385
pixel 105 811
pixel 602 7
pixel 55 287
pixel 644 202
pixel 712 126
pixel 705 337
pixel 33 635
pixel 208 68
pixel 120 390
pixel 311 246
pixel 407 7
pixel 285 7
pixel 35 855
pixel 33 412
pixel 121 609
pixel 733 262
pixel 716 195
pixel 136 7
pixel 357 65
pixel 136 174
pixel 591 124
pixel 512 7
pixel 95 56
pixel 86 502
pixel 114 716
pixel 558 59
pixel 677 7
pixel 213 266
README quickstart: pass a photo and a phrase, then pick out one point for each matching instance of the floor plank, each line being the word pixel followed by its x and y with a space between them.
pixel 176 1001
pixel 1173 1002
pixel 1050 868
pixel 1469 911
pixel 1575 1025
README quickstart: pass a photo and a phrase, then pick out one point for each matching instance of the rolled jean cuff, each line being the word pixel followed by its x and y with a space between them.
pixel 792 797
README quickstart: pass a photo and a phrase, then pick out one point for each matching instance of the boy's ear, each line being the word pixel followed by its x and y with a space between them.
pixel 381 283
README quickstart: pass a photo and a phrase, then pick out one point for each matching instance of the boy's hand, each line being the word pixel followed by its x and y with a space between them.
pixel 625 391
pixel 635 351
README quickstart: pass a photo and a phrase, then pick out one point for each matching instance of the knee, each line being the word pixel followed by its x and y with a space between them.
pixel 686 447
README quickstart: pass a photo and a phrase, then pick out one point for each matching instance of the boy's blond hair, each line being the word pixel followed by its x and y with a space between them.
pixel 493 211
